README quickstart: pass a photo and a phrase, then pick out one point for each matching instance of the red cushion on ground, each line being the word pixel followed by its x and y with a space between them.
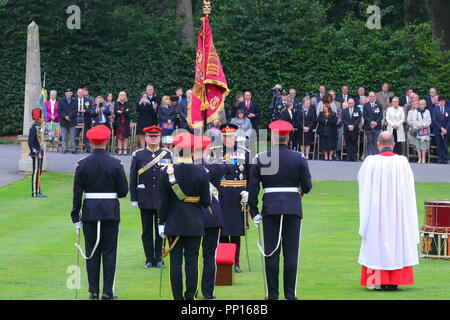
pixel 225 253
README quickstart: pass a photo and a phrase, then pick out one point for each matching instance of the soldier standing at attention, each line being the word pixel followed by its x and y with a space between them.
pixel 36 153
pixel 184 189
pixel 213 216
pixel 102 180
pixel 233 186
pixel 282 207
pixel 144 173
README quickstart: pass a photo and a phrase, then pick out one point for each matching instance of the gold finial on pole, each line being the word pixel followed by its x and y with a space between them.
pixel 206 7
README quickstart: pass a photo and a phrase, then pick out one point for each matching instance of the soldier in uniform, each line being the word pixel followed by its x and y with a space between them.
pixel 213 215
pixel 184 189
pixel 144 173
pixel 102 180
pixel 282 208
pixel 36 153
pixel 233 186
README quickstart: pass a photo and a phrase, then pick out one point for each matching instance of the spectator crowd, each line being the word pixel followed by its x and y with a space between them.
pixel 329 125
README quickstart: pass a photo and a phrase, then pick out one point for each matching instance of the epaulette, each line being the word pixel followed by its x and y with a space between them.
pixel 244 148
pixel 301 154
pixel 134 153
pixel 78 162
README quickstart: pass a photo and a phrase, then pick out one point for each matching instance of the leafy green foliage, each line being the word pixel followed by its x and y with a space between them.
pixel 124 45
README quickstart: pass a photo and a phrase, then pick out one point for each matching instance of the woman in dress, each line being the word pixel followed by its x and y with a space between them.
pixel 147 117
pixel 167 115
pixel 409 120
pixel 52 130
pixel 421 119
pixel 327 129
pixel 395 118
pixel 306 120
pixel 244 124
pixel 109 101
pixel 122 122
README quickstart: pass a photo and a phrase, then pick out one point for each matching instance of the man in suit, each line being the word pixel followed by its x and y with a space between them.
pixel 155 101
pixel 406 99
pixel 68 120
pixel 322 90
pixel 373 116
pixel 101 210
pixel 145 170
pixel 351 118
pixel 281 210
pixel 84 108
pixel 292 98
pixel 383 96
pixel 184 190
pixel 429 99
pixel 252 109
pixel 344 96
pixel 361 94
pixel 441 123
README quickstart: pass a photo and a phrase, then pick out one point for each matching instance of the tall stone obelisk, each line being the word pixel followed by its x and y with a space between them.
pixel 33 88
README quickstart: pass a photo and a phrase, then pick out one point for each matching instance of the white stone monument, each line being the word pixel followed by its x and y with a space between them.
pixel 33 88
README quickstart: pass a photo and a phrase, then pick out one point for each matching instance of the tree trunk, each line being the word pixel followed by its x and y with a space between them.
pixel 184 15
pixel 412 9
pixel 438 11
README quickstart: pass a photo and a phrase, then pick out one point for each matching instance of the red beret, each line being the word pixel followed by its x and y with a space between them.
pixel 281 128
pixel 36 114
pixel 153 130
pixel 98 134
pixel 202 142
pixel 184 140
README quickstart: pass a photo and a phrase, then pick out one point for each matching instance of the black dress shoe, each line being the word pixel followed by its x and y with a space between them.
pixel 75 152
pixel 159 265
pixel 93 296
pixel 209 298
pixel 109 296
pixel 148 265
pixel 237 269
pixel 292 298
pixel 392 288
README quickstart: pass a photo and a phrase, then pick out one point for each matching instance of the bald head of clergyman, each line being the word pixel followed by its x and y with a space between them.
pixel 385 140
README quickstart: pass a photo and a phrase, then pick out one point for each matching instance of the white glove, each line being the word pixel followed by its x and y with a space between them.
pixel 161 231
pixel 244 196
pixel 135 204
pixel 257 220
pixel 78 225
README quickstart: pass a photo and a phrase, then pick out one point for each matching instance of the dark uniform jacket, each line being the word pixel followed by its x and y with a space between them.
pixel 68 109
pixel 144 188
pixel 33 140
pixel 182 218
pixel 213 217
pixel 236 171
pixel 293 172
pixel 375 115
pixel 354 120
pixel 98 173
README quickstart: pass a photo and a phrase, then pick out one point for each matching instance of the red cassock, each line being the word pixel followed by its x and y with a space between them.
pixel 371 277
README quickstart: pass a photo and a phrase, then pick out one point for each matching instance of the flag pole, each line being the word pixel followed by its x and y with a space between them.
pixel 206 12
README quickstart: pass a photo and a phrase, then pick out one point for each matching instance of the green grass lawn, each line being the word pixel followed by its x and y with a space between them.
pixel 37 246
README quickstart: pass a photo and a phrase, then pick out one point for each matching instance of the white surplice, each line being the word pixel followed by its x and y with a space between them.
pixel 388 213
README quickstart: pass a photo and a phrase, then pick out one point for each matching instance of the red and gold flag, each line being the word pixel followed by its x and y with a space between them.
pixel 210 85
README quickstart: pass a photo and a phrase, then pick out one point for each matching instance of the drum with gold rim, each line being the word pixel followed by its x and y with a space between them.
pixel 437 214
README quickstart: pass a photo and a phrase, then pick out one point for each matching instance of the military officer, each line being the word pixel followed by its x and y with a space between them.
pixel 213 215
pixel 184 189
pixel 102 180
pixel 145 169
pixel 282 209
pixel 233 187
pixel 36 153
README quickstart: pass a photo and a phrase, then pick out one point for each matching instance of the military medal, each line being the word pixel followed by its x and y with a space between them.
pixel 241 176
pixel 241 167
